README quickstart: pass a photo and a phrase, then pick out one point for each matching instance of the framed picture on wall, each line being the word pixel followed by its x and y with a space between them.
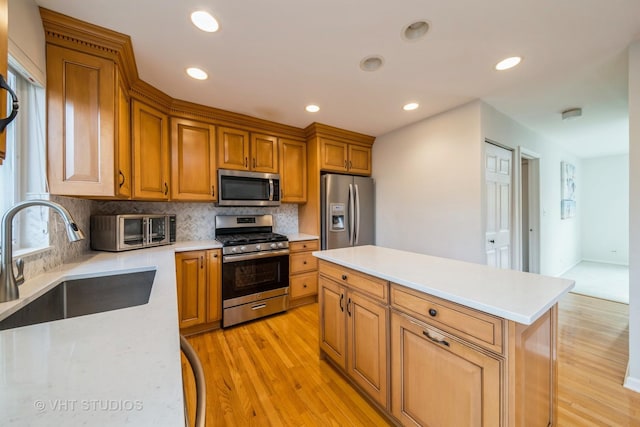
pixel 568 182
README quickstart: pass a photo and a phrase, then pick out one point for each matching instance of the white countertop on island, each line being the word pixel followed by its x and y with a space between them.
pixel 119 367
pixel 513 295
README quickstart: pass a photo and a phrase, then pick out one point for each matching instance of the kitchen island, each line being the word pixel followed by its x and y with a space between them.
pixel 118 367
pixel 435 341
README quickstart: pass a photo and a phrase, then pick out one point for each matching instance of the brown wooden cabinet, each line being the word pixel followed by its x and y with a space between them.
pixel 437 380
pixel 199 293
pixel 336 156
pixel 240 150
pixel 150 130
pixel 4 50
pixel 87 125
pixel 293 171
pixel 354 334
pixel 193 161
pixel 303 272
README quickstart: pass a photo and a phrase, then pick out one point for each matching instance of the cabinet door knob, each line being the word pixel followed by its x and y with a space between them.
pixel 433 312
pixel 304 285
pixel 304 262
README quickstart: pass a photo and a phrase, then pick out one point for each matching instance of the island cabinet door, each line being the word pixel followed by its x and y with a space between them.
pixel 438 381
pixel 367 345
pixel 332 303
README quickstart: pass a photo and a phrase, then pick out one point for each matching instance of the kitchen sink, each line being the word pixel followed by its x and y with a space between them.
pixel 79 297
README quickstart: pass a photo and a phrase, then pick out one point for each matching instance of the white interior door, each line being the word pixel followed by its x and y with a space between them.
pixel 498 172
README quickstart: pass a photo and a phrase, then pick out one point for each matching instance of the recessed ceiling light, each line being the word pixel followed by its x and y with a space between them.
pixel 197 73
pixel 415 31
pixel 204 21
pixel 312 108
pixel 371 63
pixel 410 106
pixel 572 113
pixel 507 63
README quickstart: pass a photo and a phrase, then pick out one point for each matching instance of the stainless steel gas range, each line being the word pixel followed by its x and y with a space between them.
pixel 255 268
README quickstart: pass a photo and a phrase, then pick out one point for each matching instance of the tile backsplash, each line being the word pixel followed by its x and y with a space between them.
pixel 194 221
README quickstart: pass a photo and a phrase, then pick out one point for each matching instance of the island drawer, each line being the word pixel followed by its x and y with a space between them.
pixel 372 286
pixel 303 285
pixel 474 326
pixel 301 262
pixel 305 245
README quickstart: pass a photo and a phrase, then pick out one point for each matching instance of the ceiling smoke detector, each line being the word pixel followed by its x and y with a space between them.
pixel 415 31
pixel 572 113
pixel 371 63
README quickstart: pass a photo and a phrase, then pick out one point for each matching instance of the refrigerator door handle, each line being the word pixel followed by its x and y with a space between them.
pixel 351 215
pixel 356 232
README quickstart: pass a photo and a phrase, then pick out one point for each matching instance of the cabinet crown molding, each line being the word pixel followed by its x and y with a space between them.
pixel 316 129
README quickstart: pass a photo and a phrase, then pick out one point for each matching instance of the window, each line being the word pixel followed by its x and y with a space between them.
pixel 23 173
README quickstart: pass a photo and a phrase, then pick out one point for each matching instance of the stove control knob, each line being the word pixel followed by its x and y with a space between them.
pixel 257 247
pixel 280 244
pixel 234 249
pixel 273 246
pixel 243 248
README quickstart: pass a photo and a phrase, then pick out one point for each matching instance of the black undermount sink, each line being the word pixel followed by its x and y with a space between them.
pixel 73 298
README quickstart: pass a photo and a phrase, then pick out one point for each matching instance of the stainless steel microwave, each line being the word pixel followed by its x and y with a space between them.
pixel 117 233
pixel 243 188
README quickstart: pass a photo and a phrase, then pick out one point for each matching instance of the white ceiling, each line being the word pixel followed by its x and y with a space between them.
pixel 271 58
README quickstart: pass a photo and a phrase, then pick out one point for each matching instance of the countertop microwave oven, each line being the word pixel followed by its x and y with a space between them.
pixel 116 233
pixel 244 188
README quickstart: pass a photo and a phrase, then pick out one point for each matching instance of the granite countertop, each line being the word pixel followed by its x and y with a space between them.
pixel 513 295
pixel 113 368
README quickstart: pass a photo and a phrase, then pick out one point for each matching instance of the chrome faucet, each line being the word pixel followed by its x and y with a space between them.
pixel 8 280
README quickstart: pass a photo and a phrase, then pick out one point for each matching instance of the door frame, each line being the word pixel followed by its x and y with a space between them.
pixel 533 159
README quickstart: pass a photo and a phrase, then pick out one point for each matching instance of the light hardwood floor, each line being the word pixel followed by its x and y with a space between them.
pixel 267 373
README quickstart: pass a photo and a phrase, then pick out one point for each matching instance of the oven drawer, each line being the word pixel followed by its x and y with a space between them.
pixel 254 310
pixel 303 261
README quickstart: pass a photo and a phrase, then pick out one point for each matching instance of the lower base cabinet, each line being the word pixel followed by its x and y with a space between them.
pixel 198 278
pixel 353 331
pixel 429 362
pixel 439 381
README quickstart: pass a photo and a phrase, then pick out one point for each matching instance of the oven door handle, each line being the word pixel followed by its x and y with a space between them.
pixel 255 255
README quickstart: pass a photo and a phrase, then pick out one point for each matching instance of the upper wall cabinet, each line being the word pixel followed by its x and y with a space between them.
pixel 193 160
pixel 337 156
pixel 88 125
pixel 150 152
pixel 4 15
pixel 239 150
pixel 293 171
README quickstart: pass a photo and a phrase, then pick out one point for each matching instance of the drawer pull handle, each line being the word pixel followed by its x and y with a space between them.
pixel 258 307
pixel 436 340
pixel 433 312
pixel 344 277
pixel 341 305
pixel 304 285
pixel 304 262
pixel 304 246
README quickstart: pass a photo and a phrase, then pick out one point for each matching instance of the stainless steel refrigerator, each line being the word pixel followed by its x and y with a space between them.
pixel 347 205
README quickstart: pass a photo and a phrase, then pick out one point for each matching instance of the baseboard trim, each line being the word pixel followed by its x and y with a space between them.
pixel 606 262
pixel 564 271
pixel 631 383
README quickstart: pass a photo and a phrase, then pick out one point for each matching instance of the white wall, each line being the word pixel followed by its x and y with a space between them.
pixel 605 209
pixel 633 374
pixel 560 242
pixel 26 38
pixel 428 186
